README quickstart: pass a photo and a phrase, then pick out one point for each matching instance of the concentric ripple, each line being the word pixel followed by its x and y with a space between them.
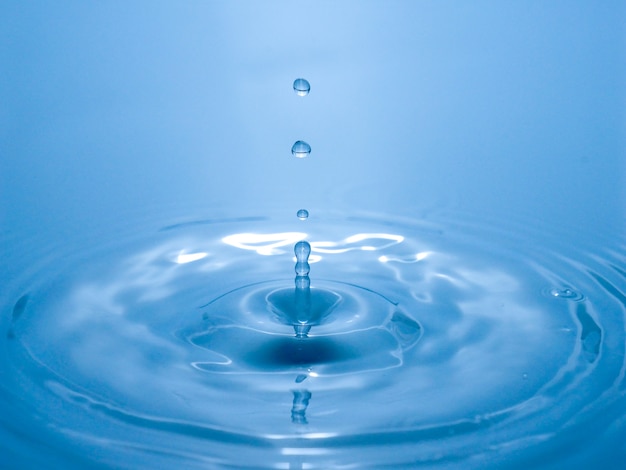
pixel 439 343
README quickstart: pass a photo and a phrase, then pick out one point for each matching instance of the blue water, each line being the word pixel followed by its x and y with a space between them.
pixel 444 341
pixel 453 296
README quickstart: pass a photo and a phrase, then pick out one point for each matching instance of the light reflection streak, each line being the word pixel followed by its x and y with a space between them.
pixel 271 243
pixel 382 240
pixel 409 259
pixel 312 259
pixel 184 258
pixel 304 450
pixel 152 272
pixel 264 244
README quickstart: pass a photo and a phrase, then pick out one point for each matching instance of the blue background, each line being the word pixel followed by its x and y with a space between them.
pixel 115 110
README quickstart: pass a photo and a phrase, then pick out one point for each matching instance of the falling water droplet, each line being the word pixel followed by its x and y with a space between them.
pixel 303 214
pixel 301 87
pixel 301 149
pixel 302 250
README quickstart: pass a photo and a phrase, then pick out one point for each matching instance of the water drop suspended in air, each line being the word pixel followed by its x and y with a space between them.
pixel 301 149
pixel 302 250
pixel 303 214
pixel 301 86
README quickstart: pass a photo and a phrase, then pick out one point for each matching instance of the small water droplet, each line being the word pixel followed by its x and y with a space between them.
pixel 301 149
pixel 301 86
pixel 302 250
pixel 303 214
pixel 525 376
pixel 303 269
pixel 301 378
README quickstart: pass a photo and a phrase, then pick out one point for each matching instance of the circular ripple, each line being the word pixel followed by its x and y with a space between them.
pixel 566 293
pixel 354 330
pixel 442 343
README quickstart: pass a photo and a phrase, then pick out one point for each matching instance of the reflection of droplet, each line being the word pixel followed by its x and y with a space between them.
pixel 303 214
pixel 590 335
pixel 566 293
pixel 301 149
pixel 20 306
pixel 300 403
pixel 301 86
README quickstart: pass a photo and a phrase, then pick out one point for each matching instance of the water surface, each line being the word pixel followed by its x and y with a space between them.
pixel 441 340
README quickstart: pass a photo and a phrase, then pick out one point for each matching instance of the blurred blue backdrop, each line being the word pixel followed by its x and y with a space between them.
pixel 114 109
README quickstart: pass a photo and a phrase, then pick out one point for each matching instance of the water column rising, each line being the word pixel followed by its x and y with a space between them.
pixel 302 293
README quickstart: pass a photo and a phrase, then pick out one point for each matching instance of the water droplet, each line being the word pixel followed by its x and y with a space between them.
pixel 301 378
pixel 301 149
pixel 303 269
pixel 301 86
pixel 302 250
pixel 303 214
